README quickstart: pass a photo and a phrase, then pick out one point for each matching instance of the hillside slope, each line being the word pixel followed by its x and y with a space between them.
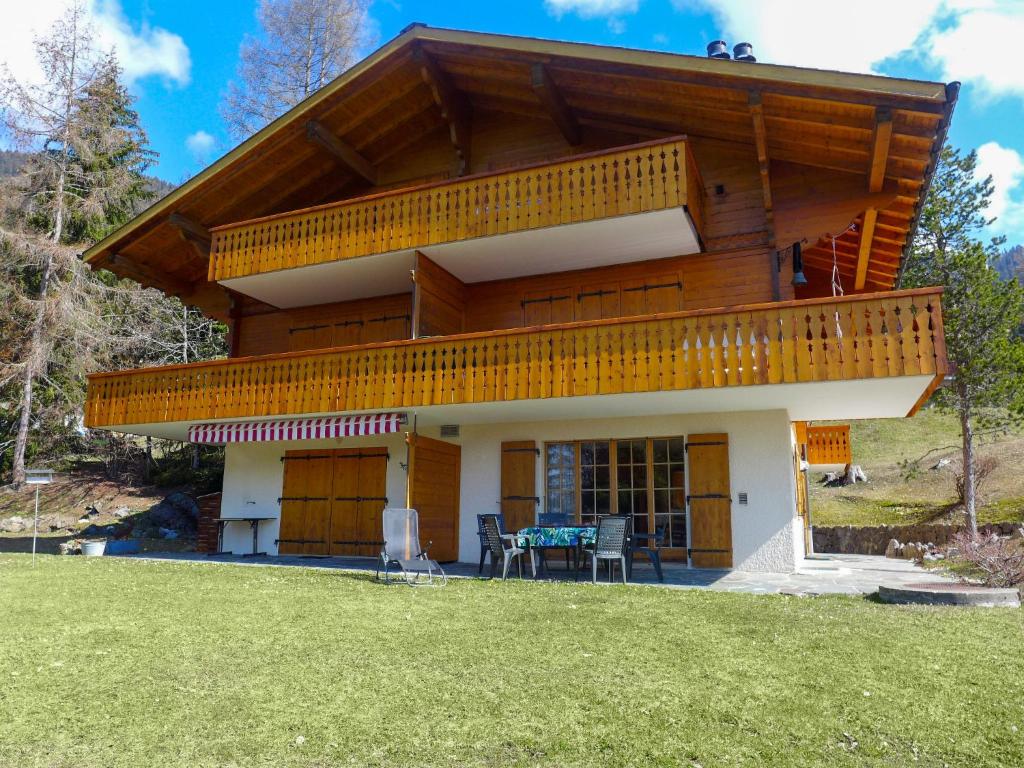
pixel 880 445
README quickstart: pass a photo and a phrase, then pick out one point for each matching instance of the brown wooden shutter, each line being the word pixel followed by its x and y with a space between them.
pixel 359 497
pixel 710 501
pixel 545 307
pixel 657 293
pixel 348 332
pixel 434 472
pixel 519 499
pixel 598 302
pixel 387 327
pixel 309 336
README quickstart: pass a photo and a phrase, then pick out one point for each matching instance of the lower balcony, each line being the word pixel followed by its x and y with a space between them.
pixel 846 357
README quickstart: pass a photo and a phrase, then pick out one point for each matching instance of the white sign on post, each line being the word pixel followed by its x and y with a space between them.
pixel 37 477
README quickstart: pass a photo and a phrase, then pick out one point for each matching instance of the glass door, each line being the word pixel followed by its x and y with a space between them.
pixel 631 477
pixel 668 462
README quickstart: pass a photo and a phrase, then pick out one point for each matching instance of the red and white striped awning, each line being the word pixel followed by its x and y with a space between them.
pixel 321 428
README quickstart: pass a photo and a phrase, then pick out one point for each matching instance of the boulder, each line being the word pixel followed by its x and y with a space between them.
pixel 13 524
pixel 121 512
pixel 893 548
pixel 167 533
pixel 177 511
pixel 70 547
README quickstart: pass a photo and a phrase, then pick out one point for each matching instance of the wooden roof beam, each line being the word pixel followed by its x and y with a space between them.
pixel 455 107
pixel 193 233
pixel 551 98
pixel 880 141
pixel 756 109
pixel 319 134
pixel 125 267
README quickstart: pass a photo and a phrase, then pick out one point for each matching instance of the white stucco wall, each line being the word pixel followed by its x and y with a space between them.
pixel 254 475
pixel 766 534
pixel 760 463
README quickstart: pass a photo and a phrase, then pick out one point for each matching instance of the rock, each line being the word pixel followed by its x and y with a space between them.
pixel 13 524
pixel 110 529
pixel 91 510
pixel 178 511
pixel 941 464
pixel 167 533
pixel 892 549
pixel 121 512
pixel 70 547
pixel 1017 532
pixel 83 519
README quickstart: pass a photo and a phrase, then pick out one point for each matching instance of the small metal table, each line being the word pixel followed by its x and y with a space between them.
pixel 254 524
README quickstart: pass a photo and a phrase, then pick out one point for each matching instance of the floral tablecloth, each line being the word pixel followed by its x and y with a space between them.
pixel 561 536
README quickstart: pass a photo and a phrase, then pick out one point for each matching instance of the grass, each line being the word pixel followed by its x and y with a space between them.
pixel 113 662
pixel 879 445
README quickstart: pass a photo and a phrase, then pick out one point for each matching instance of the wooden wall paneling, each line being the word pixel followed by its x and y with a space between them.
pixel 439 300
pixel 548 305
pixel 325 325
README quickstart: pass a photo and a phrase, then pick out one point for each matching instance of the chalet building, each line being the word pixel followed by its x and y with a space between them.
pixel 480 273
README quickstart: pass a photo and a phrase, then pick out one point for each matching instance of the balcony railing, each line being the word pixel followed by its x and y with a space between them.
pixel 639 178
pixel 817 340
pixel 829 445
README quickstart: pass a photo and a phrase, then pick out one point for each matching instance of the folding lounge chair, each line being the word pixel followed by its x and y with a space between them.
pixel 402 551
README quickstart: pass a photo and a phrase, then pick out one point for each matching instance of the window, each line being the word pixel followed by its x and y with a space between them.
pixel 669 460
pixel 595 480
pixel 561 479
pixel 643 478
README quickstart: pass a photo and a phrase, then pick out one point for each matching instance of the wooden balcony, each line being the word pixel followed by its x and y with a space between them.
pixel 871 336
pixel 640 178
pixel 829 445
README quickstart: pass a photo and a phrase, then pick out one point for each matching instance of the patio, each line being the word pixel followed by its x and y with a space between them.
pixel 819 575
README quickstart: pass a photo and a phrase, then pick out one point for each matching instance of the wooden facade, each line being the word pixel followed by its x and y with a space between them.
pixel 815 340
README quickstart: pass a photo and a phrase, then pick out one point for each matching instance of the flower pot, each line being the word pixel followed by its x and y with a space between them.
pixel 94 548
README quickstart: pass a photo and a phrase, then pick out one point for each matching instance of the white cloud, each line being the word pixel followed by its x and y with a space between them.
pixel 589 9
pixel 1006 167
pixel 200 144
pixel 967 40
pixel 980 46
pixel 142 50
pixel 826 35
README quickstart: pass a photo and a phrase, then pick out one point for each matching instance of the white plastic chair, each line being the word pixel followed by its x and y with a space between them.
pixel 402 550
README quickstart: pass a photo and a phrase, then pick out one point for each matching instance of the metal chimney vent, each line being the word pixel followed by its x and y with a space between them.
pixel 718 49
pixel 449 430
pixel 744 52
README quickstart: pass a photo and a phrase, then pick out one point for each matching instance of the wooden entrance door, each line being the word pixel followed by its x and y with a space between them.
pixel 710 501
pixel 359 497
pixel 519 498
pixel 332 499
pixel 434 472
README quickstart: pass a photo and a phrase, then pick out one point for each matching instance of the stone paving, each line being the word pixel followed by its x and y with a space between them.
pixel 818 575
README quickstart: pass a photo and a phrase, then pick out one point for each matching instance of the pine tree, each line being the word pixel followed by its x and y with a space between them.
pixel 981 310
pixel 83 177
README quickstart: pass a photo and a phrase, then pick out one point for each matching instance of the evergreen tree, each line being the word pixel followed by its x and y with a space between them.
pixel 981 310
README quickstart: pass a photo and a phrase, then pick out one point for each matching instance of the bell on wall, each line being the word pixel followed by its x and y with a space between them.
pixel 798 266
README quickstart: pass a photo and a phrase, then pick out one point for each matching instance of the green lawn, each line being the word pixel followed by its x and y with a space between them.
pixel 109 662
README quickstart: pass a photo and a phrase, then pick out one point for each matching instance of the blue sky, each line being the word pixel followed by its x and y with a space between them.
pixel 180 54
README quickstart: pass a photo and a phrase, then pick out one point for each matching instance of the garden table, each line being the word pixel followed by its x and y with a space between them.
pixel 254 523
pixel 543 537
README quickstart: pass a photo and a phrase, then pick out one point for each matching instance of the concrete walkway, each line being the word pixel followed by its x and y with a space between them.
pixel 819 575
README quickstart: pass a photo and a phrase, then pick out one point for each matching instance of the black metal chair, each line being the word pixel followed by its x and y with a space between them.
pixel 484 549
pixel 610 544
pixel 505 547
pixel 649 545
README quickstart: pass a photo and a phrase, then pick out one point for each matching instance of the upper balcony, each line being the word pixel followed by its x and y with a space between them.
pixel 632 203
pixel 847 357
